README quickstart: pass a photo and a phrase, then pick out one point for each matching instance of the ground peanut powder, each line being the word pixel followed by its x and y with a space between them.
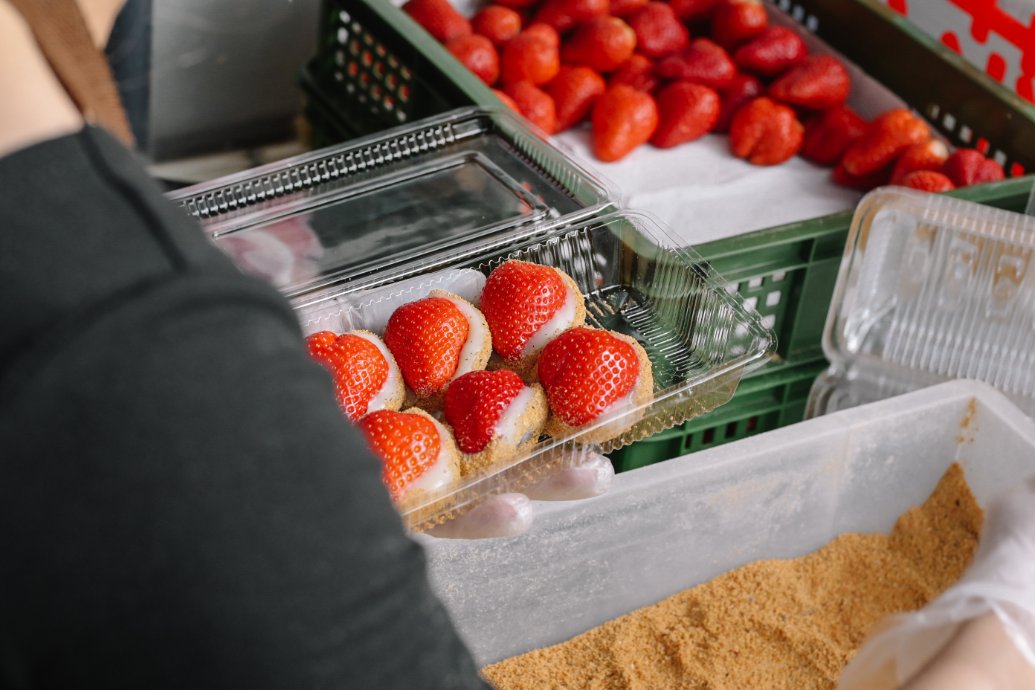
pixel 771 624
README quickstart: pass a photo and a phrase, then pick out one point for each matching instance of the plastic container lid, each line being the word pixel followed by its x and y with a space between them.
pixel 355 211
pixel 931 288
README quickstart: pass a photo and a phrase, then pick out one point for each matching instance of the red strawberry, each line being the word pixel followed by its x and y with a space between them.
pixel 927 155
pixel 584 371
pixel 358 368
pixel 818 82
pixel 637 72
pixel 566 14
pixel 518 4
pixel 426 337
pixel 863 183
pixel 408 445
pixel 928 181
pixel 438 18
pixel 623 118
pixel 658 31
pixel 623 8
pixel 771 52
pixel 529 57
pixel 736 21
pixel 702 62
pixel 574 91
pixel 474 404
pixel 518 299
pixel 507 101
pixel 535 104
pixel 742 90
pixel 602 44
pixel 478 55
pixel 765 132
pixel 498 24
pixel 693 10
pixel 828 135
pixel 969 166
pixel 545 32
pixel 686 112
pixel 884 141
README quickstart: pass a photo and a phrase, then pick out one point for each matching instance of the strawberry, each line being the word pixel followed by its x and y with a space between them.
pixel 545 32
pixel 478 55
pixel 574 91
pixel 743 89
pixel 507 101
pixel 928 181
pixel 623 118
pixel 529 57
pixel 686 112
pixel 497 23
pixel 584 371
pixel 564 15
pixel 771 52
pixel 884 141
pixel 927 155
pixel 474 404
pixel 658 31
pixel 765 132
pixel 535 104
pixel 736 21
pixel 863 183
pixel 693 10
pixel 623 8
pixel 358 368
pixel 818 82
pixel 518 4
pixel 602 44
pixel 702 62
pixel 829 134
pixel 426 337
pixel 408 445
pixel 969 166
pixel 518 299
pixel 438 18
pixel 637 72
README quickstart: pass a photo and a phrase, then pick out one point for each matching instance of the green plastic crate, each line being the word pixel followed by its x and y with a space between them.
pixel 762 403
pixel 369 50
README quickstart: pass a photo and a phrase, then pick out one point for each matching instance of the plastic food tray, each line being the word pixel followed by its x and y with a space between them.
pixel 348 233
pixel 664 528
pixel 931 289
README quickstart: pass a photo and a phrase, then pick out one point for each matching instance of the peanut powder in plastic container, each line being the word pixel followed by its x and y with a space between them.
pixel 769 624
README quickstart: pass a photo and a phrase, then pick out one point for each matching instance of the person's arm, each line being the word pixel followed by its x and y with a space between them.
pixel 181 502
pixel 980 656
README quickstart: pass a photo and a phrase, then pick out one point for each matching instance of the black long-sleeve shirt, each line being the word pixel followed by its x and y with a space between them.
pixel 182 504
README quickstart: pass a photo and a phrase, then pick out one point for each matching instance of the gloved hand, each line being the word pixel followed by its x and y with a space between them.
pixel 952 641
pixel 508 515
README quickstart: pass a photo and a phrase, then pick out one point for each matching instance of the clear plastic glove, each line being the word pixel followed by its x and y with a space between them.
pixel 508 515
pixel 952 641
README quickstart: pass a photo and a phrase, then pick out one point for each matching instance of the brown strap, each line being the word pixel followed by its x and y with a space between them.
pixel 62 35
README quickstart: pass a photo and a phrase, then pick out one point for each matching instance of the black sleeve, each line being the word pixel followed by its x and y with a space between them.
pixel 181 503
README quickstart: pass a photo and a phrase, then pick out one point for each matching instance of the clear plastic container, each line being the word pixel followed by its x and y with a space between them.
pixel 356 244
pixel 676 524
pixel 931 288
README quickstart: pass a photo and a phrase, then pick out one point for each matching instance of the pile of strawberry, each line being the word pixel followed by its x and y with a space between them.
pixel 669 72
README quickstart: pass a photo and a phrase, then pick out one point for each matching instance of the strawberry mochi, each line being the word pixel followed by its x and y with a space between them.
pixel 417 453
pixel 494 416
pixel 366 376
pixel 435 340
pixel 588 374
pixel 526 305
